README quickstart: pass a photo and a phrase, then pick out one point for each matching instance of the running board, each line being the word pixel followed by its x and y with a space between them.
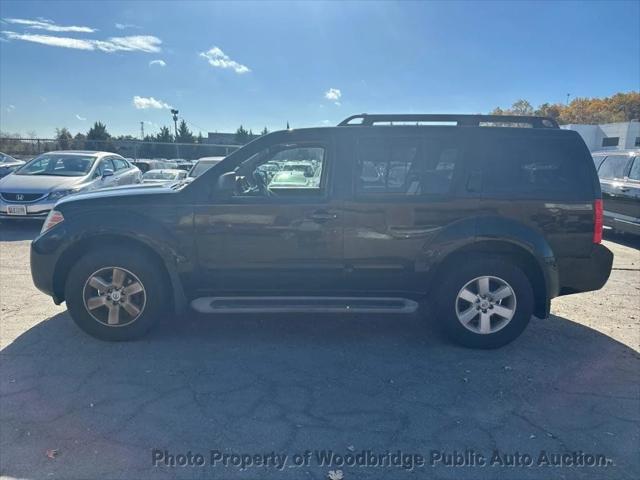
pixel 304 304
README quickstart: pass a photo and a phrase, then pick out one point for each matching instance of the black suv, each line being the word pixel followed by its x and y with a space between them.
pixel 484 221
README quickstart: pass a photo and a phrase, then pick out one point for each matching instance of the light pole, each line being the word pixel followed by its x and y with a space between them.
pixel 174 112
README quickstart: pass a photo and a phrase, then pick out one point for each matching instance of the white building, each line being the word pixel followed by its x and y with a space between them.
pixel 609 136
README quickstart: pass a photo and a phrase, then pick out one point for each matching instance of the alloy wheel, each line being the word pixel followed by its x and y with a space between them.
pixel 485 305
pixel 114 296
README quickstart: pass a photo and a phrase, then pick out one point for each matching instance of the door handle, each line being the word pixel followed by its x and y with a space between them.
pixel 323 216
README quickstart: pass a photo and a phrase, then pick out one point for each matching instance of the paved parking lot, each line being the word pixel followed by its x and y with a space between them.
pixel 72 407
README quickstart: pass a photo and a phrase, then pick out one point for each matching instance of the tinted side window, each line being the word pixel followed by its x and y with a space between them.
pixel 405 166
pixel 534 165
pixel 614 166
pixel 387 165
pixel 634 174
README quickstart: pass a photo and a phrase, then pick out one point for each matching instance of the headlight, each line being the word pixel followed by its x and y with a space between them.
pixel 61 193
pixel 54 218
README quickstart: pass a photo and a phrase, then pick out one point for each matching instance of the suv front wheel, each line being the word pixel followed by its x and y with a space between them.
pixel 484 303
pixel 115 294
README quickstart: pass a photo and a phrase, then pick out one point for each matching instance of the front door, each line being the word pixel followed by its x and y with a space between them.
pixel 281 232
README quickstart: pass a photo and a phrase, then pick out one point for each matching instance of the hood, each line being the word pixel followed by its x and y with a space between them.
pixel 11 164
pixel 38 183
pixel 123 191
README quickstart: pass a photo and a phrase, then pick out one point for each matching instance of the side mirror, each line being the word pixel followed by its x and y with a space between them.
pixel 107 173
pixel 226 185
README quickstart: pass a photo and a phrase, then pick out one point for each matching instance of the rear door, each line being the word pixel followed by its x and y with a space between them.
pixel 613 173
pixel 628 199
pixel 401 200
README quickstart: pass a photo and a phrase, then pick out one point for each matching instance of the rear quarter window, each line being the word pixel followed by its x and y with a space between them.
pixel 536 167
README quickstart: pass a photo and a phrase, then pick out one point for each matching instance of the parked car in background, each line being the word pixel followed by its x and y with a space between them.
pixel 184 164
pixel 144 165
pixel 8 164
pixel 619 173
pixel 164 176
pixel 34 188
pixel 202 165
pixel 487 223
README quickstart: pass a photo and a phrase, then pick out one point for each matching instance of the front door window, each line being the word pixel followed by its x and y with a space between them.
pixel 282 170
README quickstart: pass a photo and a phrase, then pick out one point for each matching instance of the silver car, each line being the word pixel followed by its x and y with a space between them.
pixel 33 189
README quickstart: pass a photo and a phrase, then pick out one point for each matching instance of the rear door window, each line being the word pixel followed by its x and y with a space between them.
pixel 406 166
pixel 614 166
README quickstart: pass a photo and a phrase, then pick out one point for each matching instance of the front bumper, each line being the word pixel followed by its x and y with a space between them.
pixel 45 254
pixel 585 274
pixel 35 210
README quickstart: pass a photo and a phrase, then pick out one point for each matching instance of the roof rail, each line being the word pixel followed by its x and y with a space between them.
pixel 460 120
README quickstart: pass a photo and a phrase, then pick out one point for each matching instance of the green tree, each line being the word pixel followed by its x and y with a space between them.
pixel 79 141
pixel 184 134
pixel 288 127
pixel 264 131
pixel 98 138
pixel 64 138
pixel 242 135
pixel 164 135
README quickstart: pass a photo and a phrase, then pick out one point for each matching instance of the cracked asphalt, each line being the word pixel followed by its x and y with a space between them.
pixel 72 407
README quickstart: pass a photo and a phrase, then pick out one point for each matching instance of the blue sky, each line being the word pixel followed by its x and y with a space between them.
pixel 310 63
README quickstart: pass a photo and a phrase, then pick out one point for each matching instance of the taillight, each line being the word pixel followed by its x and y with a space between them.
pixel 597 221
pixel 54 218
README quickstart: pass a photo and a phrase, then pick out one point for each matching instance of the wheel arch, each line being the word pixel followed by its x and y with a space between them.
pixel 79 248
pixel 537 269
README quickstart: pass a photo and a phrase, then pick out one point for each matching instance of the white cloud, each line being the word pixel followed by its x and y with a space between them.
pixel 82 119
pixel 48 25
pixel 333 94
pixel 142 103
pixel 124 26
pixel 217 58
pixel 160 63
pixel 135 43
pixel 10 108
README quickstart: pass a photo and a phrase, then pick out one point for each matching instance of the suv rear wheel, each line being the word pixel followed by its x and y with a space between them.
pixel 115 294
pixel 485 303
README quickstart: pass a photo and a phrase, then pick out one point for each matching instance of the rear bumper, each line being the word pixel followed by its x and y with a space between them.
pixel 585 274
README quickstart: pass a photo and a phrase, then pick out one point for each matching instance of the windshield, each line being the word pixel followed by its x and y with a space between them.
pixel 58 165
pixel 6 158
pixel 202 167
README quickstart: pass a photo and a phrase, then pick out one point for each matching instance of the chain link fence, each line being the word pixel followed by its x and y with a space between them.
pixel 25 148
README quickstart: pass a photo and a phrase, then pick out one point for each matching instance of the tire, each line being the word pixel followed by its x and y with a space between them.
pixel 137 310
pixel 456 306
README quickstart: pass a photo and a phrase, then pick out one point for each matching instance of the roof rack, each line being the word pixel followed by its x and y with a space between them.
pixel 460 120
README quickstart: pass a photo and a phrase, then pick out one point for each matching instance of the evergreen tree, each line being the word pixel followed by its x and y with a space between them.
pixel 98 138
pixel 242 135
pixel 64 138
pixel 184 134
